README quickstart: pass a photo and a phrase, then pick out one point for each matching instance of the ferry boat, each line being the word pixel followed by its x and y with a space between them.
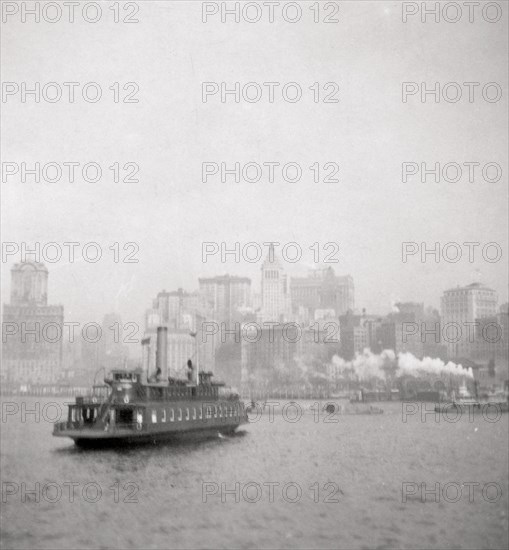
pixel 133 408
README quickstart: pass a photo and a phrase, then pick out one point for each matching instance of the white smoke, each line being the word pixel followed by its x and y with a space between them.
pixel 307 371
pixel 368 365
pixel 410 365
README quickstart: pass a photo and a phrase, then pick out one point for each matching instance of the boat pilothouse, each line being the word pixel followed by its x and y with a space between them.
pixel 133 407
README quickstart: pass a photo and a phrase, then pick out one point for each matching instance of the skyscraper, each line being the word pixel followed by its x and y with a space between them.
pixel 31 329
pixel 276 304
pixel 323 289
pixel 460 307
pixel 173 309
pixel 226 296
pixel 181 313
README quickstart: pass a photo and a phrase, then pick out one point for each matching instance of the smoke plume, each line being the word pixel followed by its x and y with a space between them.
pixel 368 365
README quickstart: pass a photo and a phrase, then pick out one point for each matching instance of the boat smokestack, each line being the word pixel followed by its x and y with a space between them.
pixel 162 350
pixel 145 355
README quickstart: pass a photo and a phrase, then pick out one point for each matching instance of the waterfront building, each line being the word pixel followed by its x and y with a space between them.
pixel 411 328
pixel 395 335
pixel 491 341
pixel 323 289
pixel 174 309
pixel 461 307
pixel 31 329
pixel 181 346
pixel 181 313
pixel 228 361
pixel 359 332
pixel 276 304
pixel 405 328
pixel 226 297
pixel 282 357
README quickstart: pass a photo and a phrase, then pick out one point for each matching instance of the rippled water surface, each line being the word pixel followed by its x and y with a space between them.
pixel 368 457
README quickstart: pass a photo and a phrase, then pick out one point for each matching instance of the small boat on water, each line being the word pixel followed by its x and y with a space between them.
pixel 465 406
pixel 494 402
pixel 130 409
pixel 330 407
pixel 335 408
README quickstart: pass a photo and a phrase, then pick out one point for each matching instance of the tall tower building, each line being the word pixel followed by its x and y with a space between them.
pixel 173 309
pixel 181 313
pixel 29 284
pixel 323 289
pixel 32 331
pixel 276 303
pixel 461 306
pixel 225 296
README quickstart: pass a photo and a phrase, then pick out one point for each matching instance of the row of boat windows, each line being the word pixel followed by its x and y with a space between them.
pixel 214 411
pixel 89 415
pixel 179 391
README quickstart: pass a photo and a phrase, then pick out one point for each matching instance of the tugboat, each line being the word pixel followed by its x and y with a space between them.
pixel 133 408
pixel 496 402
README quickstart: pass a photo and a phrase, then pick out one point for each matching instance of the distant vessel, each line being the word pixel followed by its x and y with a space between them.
pixel 466 403
pixel 471 405
pixel 460 405
pixel 335 408
pixel 127 409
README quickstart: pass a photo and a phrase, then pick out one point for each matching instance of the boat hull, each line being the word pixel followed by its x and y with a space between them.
pixel 96 439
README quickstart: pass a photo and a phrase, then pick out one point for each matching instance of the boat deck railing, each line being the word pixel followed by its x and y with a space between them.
pixel 91 400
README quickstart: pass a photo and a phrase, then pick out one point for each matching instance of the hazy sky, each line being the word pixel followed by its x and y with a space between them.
pixel 170 132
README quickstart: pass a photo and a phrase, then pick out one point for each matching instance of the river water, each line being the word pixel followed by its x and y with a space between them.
pixel 360 482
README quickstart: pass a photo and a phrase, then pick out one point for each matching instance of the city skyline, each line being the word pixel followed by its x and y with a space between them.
pixel 117 306
pixel 229 300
